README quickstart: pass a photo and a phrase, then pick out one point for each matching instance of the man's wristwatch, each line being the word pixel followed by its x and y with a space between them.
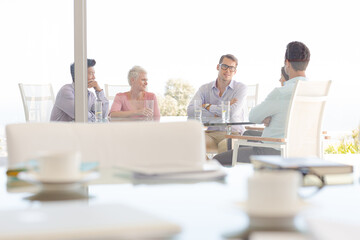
pixel 207 106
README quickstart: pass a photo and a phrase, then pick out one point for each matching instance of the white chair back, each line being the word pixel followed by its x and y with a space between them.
pixel 112 89
pixel 303 131
pixel 38 101
pixel 252 97
pixel 170 146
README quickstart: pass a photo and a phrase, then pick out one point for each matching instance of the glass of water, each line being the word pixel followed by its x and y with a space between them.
pixel 225 111
pixel 197 109
pixel 98 110
pixel 149 104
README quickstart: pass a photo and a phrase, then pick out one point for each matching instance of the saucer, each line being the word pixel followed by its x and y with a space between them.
pixel 34 178
pixel 284 213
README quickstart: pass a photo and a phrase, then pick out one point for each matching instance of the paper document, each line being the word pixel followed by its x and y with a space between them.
pixel 212 170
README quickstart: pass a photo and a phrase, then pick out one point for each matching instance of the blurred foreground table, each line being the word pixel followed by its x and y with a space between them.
pixel 203 209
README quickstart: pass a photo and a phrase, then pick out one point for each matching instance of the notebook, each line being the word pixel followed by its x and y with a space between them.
pixel 332 172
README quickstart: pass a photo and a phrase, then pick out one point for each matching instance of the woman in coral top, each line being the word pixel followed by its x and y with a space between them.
pixel 132 104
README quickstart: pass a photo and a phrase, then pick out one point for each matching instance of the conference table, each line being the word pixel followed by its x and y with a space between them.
pixel 218 122
pixel 207 121
pixel 206 209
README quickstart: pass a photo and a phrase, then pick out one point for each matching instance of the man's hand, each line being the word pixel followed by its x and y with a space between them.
pixel 95 85
pixel 234 100
pixel 206 106
pixel 266 121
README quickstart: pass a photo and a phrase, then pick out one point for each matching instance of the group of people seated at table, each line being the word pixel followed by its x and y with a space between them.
pixel 125 105
pixel 271 112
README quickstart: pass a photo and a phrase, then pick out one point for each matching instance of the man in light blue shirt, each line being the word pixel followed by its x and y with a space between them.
pixel 64 107
pixel 273 110
pixel 211 96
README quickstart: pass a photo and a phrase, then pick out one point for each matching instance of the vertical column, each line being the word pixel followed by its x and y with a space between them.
pixel 80 54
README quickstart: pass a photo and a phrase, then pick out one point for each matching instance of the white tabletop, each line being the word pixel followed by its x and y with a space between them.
pixel 204 210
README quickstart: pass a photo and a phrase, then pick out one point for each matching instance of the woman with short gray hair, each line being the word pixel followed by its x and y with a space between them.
pixel 135 72
pixel 132 104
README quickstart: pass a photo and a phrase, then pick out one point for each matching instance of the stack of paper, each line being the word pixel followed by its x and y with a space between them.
pixel 212 170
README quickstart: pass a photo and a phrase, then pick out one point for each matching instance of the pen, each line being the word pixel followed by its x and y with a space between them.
pixel 15 172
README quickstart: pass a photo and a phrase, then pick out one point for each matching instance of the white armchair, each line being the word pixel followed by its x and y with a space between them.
pixel 38 101
pixel 252 96
pixel 303 130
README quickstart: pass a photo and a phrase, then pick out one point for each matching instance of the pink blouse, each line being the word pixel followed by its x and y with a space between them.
pixel 122 103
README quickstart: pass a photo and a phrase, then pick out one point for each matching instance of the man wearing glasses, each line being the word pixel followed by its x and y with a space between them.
pixel 224 88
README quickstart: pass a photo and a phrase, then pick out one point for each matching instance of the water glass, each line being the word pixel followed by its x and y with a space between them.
pixel 197 109
pixel 225 111
pixel 149 104
pixel 98 110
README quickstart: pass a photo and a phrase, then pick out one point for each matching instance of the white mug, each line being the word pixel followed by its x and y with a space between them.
pixel 59 166
pixel 273 193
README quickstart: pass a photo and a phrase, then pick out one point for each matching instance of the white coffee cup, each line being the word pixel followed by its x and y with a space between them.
pixel 59 166
pixel 273 193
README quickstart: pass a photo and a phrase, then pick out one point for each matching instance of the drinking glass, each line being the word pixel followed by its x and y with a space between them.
pixel 225 111
pixel 197 109
pixel 98 110
pixel 149 104
pixel 210 155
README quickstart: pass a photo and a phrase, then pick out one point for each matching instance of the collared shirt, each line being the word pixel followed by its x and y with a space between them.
pixel 209 93
pixel 276 106
pixel 64 107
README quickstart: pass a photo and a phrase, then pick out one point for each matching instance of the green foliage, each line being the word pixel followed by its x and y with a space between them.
pixel 346 145
pixel 168 106
pixel 177 97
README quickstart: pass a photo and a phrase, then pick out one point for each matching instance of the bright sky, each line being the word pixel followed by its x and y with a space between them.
pixel 182 39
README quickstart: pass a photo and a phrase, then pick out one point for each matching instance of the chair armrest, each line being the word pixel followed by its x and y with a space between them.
pixel 259 128
pixel 251 138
